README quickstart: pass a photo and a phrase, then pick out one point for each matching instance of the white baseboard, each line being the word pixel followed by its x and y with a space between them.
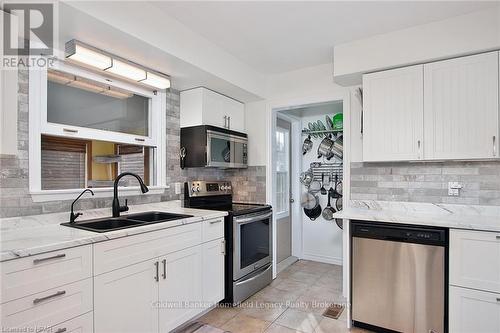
pixel 323 259
pixel 282 265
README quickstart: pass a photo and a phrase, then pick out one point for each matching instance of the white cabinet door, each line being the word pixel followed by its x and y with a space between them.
pixel 180 292
pixel 202 106
pixel 393 114
pixel 236 113
pixel 213 109
pixel 125 299
pixel 213 271
pixel 461 108
pixel 473 311
pixel 475 260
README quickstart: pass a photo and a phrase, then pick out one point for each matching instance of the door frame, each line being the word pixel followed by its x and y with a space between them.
pixel 273 107
pixel 294 212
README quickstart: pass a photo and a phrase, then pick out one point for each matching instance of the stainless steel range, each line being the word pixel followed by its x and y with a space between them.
pixel 248 234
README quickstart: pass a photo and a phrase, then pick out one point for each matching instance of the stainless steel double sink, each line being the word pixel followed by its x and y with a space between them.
pixel 126 221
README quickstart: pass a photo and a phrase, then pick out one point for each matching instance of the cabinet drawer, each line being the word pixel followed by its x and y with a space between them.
pixel 213 229
pixel 474 311
pixel 475 260
pixel 81 324
pixel 30 275
pixel 50 307
pixel 126 251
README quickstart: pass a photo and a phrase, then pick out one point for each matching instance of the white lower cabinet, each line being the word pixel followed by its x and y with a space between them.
pixel 213 271
pixel 163 292
pixel 474 311
pixel 475 260
pixel 180 294
pixel 474 282
pixel 125 299
pixel 81 324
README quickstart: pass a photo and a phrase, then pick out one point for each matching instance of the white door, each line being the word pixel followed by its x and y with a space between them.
pixel 213 271
pixel 283 195
pixel 473 311
pixel 125 300
pixel 393 114
pixel 461 108
pixel 180 292
pixel 475 259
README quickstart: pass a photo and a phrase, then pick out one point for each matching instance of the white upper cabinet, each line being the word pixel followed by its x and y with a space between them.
pixel 461 108
pixel 201 106
pixel 437 111
pixel 393 114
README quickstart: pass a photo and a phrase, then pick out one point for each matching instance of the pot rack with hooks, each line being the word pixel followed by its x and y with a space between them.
pixel 328 169
pixel 309 132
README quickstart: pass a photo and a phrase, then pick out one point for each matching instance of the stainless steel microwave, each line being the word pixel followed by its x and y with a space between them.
pixel 210 146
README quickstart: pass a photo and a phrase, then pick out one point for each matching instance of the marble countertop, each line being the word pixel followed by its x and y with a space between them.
pixel 29 235
pixel 469 217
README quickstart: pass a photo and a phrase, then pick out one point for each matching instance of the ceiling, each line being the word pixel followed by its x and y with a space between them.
pixel 279 36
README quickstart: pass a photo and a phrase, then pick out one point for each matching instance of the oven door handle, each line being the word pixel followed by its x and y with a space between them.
pixel 253 218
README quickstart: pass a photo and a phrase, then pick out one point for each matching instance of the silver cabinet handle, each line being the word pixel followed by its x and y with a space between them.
pixel 164 275
pixel 228 122
pixel 419 144
pixel 223 247
pixel 498 299
pixel 61 330
pixel 253 218
pixel 70 130
pixel 41 299
pixel 157 276
pixel 215 221
pixel 498 237
pixel 225 121
pixel 140 139
pixel 494 145
pixel 57 256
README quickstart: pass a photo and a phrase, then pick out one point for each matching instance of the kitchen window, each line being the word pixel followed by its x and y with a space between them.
pixel 85 129
pixel 282 170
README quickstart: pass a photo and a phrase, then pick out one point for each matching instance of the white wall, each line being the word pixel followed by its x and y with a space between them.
pixel 466 34
pixel 257 129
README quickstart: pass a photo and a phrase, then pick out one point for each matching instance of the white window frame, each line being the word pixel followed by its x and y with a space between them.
pixel 39 125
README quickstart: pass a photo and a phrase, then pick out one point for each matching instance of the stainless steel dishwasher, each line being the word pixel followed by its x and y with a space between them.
pixel 399 277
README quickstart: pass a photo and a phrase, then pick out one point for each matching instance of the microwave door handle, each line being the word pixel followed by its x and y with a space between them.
pixel 253 218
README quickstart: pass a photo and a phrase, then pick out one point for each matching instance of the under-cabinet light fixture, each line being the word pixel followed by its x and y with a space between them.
pixel 90 56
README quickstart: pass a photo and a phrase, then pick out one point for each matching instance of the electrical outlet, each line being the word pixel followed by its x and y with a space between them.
pixel 454 189
pixel 178 188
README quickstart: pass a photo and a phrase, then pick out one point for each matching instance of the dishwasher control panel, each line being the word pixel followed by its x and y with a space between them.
pixel 394 232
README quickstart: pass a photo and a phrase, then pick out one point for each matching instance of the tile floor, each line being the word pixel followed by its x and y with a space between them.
pixel 293 302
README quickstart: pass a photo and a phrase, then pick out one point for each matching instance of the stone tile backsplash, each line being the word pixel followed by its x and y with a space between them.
pixel 427 182
pixel 15 200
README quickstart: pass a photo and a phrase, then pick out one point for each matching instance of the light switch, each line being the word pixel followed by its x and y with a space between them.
pixel 454 189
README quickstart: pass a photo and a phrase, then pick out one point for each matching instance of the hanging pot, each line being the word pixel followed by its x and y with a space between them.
pixel 315 186
pixel 309 200
pixel 329 210
pixel 338 147
pixel 306 177
pixel 338 204
pixel 325 148
pixel 313 214
pixel 307 145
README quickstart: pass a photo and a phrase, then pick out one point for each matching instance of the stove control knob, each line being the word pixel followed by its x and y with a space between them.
pixel 193 189
pixel 223 187
pixel 198 189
